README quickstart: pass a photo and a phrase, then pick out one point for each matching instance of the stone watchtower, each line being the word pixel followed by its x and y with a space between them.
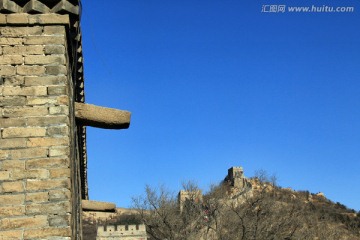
pixel 42 120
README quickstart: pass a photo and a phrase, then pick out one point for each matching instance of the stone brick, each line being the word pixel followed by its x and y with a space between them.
pixel 44 40
pixel 59 195
pixel 59 151
pixel 54 30
pixel 38 197
pixel 57 90
pixel 14 80
pixel 2 21
pixel 23 50
pixel 25 112
pixel 63 100
pixel 59 221
pixel 4 154
pixel 12 122
pixel 25 91
pixel 13 199
pixel 19 18
pixel 10 40
pixel 11 235
pixel 58 131
pixel 47 232
pixel 29 174
pixel 54 49
pixel 20 31
pixel 9 211
pixel 36 185
pixel 47 142
pixel 12 143
pixel 7 70
pixel 47 121
pixel 12 164
pixel 60 173
pixel 59 110
pixel 47 163
pixel 11 59
pixel 4 175
pixel 40 101
pixel 30 70
pixel 49 208
pixel 28 153
pixel 50 18
pixel 12 101
pixel 23 222
pixel 13 187
pixel 48 80
pixel 56 70
pixel 47 59
pixel 23 132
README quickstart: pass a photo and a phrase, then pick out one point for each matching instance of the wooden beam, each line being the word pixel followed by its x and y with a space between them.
pixel 101 117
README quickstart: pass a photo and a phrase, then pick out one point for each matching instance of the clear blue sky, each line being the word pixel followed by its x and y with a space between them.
pixel 217 83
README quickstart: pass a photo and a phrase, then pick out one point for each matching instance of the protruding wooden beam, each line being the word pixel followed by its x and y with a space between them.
pixel 101 117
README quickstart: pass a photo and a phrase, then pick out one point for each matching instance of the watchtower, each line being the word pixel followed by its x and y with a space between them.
pixel 43 116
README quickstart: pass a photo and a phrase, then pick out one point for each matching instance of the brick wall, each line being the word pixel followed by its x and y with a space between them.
pixel 37 156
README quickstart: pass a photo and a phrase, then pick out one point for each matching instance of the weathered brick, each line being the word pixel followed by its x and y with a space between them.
pixel 12 101
pixel 4 154
pixel 36 185
pixel 25 111
pixel 40 101
pixel 30 70
pixel 60 173
pixel 58 131
pixel 56 70
pixel 59 151
pixel 9 211
pixel 12 164
pixel 20 31
pixel 47 59
pixel 22 50
pixel 54 49
pixel 23 132
pixel 7 70
pixel 38 197
pixel 47 121
pixel 11 235
pixel 47 232
pixel 28 153
pixel 50 18
pixel 59 220
pixel 2 21
pixel 44 40
pixel 12 143
pixel 48 80
pixel 14 80
pixel 11 59
pixel 47 142
pixel 29 174
pixel 59 195
pixel 10 40
pixel 13 187
pixel 59 110
pixel 24 222
pixel 47 163
pixel 54 30
pixel 49 208
pixel 57 90
pixel 25 91
pixel 12 199
pixel 19 18
pixel 12 122
pixel 4 175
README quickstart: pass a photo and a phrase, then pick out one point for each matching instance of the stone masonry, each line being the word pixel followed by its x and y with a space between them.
pixel 36 144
